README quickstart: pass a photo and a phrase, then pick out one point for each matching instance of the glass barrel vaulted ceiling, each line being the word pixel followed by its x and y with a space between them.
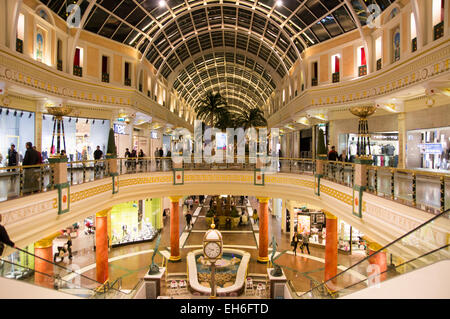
pixel 241 47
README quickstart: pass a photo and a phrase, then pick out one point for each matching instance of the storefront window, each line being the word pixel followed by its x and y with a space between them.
pixel 82 137
pixel 350 239
pixel 384 147
pixel 16 127
pixel 428 149
pixel 135 221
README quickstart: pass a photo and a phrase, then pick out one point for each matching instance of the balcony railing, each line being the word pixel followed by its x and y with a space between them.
pixel 127 82
pixel 77 70
pixel 18 181
pixel 379 64
pixel 428 191
pixel 336 77
pixel 19 45
pixel 59 65
pixel 105 77
pixel 438 30
pixel 362 70
pixel 314 82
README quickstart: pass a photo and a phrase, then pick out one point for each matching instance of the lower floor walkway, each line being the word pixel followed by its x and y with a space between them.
pixel 131 262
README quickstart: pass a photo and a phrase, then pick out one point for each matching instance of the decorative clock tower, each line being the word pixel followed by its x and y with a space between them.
pixel 212 249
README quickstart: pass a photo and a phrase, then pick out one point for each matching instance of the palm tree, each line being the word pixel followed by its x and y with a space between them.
pixel 211 107
pixel 251 118
pixel 225 119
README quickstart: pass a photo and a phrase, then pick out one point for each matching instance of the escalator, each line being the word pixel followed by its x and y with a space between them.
pixel 53 276
pixel 421 247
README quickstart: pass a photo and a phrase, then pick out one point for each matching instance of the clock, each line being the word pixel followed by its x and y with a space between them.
pixel 212 250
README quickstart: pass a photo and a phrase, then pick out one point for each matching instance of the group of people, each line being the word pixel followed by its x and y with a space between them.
pixel 132 156
pixel 334 156
pixel 303 239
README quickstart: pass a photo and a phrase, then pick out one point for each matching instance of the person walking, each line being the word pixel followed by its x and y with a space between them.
pixel 305 243
pixel 141 156
pixel 133 158
pixel 294 243
pixel 255 216
pixel 13 157
pixel 69 245
pixel 343 157
pixel 4 238
pixel 161 155
pixel 191 203
pixel 188 217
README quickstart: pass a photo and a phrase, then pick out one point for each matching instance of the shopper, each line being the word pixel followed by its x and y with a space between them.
pixel 255 216
pixel 4 238
pixel 98 154
pixel 31 158
pixel 39 155
pixel 141 156
pixel 69 245
pixel 13 157
pixel 127 156
pixel 343 157
pixel 305 243
pixel 188 217
pixel 294 243
pixel 191 203
pixel 332 155
pixel 133 158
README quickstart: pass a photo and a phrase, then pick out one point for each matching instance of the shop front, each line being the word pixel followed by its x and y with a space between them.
pixel 16 127
pixel 384 147
pixel 428 149
pixel 82 137
pixel 313 222
pixel 137 221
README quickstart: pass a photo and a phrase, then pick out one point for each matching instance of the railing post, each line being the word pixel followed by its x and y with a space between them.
pixel 376 181
pixel 442 180
pixel 414 203
pixel 41 177
pixel 392 184
pixel 84 172
pixel 21 181
pixel 71 173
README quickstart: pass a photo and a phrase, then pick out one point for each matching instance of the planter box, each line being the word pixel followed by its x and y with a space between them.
pixel 438 30
pixel 362 70
pixel 336 77
pixel 105 77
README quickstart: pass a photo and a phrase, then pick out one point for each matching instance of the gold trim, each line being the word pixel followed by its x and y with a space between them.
pixel 263 200
pixel 263 259
pixel 47 241
pixel 104 213
pixel 175 199
pixel 329 215
pixel 174 258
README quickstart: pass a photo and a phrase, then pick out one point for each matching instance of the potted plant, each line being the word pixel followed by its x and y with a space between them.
pixel 210 216
pixel 321 148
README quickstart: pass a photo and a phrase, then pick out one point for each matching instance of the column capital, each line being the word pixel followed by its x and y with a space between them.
pixel 47 241
pixel 372 245
pixel 175 199
pixel 104 213
pixel 263 199
pixel 329 215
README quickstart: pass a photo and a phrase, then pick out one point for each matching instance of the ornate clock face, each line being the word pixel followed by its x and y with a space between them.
pixel 212 250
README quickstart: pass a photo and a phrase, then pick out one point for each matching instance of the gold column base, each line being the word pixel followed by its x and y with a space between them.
pixel 174 258
pixel 263 259
pixel 263 199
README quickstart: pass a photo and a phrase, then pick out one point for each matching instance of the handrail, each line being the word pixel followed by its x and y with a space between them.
pixel 398 266
pixel 380 250
pixel 25 166
pixel 59 266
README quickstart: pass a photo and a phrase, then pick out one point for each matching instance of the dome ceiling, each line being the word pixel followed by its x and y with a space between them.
pixel 243 47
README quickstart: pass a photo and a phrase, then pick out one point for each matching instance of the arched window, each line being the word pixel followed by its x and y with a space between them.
pixel 43 15
pixel 393 13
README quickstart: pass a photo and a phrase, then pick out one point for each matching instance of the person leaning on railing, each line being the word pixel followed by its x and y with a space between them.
pixel 4 238
pixel 31 158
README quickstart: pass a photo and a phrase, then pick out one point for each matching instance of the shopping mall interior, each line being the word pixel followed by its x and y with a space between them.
pixel 248 149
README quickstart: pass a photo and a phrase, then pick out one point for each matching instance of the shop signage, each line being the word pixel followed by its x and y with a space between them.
pixel 430 148
pixel 154 135
pixel 119 129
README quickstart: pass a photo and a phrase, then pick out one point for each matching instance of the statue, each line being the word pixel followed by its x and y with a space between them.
pixel 154 268
pixel 276 272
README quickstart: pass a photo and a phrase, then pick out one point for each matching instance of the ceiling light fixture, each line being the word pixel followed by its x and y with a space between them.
pixel 279 3
pixel 1 110
pixel 70 119
pixel 21 114
pixel 87 121
pixel 7 111
pixel 15 113
pixel 76 121
pixel 29 116
pixel 162 3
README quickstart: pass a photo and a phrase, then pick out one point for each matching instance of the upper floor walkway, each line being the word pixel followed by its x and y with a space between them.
pixel 394 200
